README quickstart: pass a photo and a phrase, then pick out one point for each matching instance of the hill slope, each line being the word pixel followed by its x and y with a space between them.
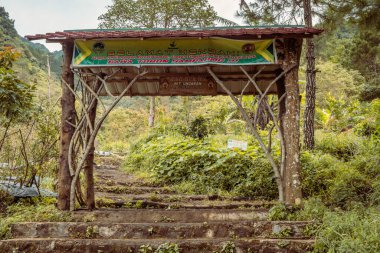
pixel 32 66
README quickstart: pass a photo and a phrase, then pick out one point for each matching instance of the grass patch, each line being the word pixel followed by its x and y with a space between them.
pixel 31 210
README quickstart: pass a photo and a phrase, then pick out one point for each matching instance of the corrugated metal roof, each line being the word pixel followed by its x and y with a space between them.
pixel 229 32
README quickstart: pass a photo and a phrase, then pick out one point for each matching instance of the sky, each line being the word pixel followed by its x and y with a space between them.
pixel 43 16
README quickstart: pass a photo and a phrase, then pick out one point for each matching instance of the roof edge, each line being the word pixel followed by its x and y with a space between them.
pixel 247 32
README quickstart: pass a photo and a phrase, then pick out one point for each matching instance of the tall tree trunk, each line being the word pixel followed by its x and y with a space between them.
pixel 187 109
pixel 152 111
pixel 308 127
pixel 67 130
pixel 291 125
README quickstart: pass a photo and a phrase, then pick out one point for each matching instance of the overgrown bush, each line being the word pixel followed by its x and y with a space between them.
pixel 198 128
pixel 342 146
pixel 343 168
pixel 5 200
pixel 209 167
pixel 357 230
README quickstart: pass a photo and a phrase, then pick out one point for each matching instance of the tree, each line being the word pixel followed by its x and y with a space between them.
pixel 309 114
pixel 290 12
pixel 6 24
pixel 361 21
pixel 15 95
pixel 160 14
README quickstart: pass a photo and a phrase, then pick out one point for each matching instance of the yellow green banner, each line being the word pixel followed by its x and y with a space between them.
pixel 173 52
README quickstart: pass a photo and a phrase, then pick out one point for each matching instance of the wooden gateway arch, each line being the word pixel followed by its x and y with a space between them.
pixel 229 61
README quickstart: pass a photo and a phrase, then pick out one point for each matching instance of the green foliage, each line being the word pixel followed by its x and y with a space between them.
pixel 15 95
pixel 198 128
pixel 6 24
pixel 343 146
pixel 354 230
pixel 6 200
pixel 167 248
pixel 313 209
pixel 210 168
pixel 158 14
pixel 122 126
pixel 146 249
pixel 270 12
pixel 278 212
pixel 228 247
pixel 369 124
pixel 343 169
pixel 31 146
pixel 357 230
pixel 346 83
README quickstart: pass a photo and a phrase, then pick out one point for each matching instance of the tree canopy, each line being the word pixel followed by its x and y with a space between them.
pixel 158 14
pixel 15 95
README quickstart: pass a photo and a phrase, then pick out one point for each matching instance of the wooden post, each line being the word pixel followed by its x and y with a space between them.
pixel 152 111
pixel 88 167
pixel 291 124
pixel 67 130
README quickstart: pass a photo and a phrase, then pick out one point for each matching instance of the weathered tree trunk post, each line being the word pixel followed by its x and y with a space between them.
pixel 88 167
pixel 291 124
pixel 67 130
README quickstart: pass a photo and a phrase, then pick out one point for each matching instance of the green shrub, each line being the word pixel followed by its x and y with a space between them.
pixel 357 230
pixel 5 200
pixel 318 173
pixel 198 128
pixel 278 212
pixel 342 169
pixel 350 186
pixel 176 159
pixel 313 209
pixel 167 248
pixel 343 145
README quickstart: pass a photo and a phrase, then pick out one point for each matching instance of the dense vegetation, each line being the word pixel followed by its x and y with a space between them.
pixel 187 147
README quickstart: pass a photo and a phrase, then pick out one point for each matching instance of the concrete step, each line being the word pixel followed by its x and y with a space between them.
pixel 109 200
pixel 96 230
pixel 113 180
pixel 175 215
pixel 121 189
pixel 53 245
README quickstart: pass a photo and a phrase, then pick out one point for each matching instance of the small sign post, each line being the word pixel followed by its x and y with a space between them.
pixel 243 145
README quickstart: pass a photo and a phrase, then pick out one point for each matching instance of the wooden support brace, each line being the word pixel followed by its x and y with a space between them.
pixel 248 120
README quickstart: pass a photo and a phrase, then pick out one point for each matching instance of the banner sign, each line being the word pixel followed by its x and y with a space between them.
pixel 173 52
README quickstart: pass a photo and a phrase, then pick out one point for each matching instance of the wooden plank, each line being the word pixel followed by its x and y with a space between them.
pixel 187 85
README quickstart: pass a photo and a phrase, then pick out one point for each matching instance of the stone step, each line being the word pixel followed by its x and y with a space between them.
pixel 174 202
pixel 122 189
pixel 96 230
pixel 175 215
pixel 163 197
pixel 53 245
